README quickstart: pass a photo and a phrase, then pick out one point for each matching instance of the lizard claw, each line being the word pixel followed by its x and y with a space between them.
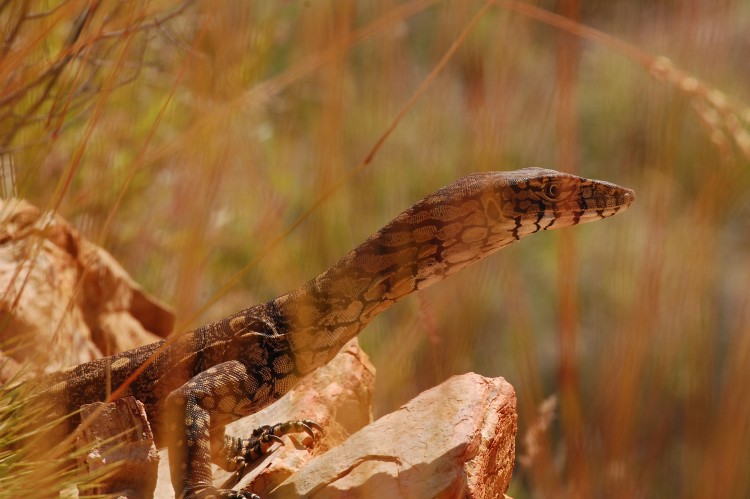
pixel 274 438
pixel 308 425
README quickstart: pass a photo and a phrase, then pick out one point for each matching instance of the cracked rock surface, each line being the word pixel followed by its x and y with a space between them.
pixel 455 440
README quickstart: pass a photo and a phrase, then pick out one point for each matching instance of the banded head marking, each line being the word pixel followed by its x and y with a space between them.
pixel 539 199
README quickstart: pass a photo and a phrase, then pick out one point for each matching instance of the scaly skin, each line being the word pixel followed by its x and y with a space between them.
pixel 234 367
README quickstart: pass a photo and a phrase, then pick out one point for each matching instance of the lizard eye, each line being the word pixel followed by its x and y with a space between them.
pixel 552 191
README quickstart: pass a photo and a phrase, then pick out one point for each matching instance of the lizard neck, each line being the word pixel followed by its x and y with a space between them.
pixel 433 239
pixel 445 232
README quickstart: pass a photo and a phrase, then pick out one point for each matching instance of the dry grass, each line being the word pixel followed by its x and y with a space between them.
pixel 209 145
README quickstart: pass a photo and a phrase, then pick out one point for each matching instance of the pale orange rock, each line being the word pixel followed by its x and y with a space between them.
pixel 121 313
pixel 64 300
pixel 9 369
pixel 116 438
pixel 455 440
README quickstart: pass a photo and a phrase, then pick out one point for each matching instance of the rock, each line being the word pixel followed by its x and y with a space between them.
pixel 455 440
pixel 64 300
pixel 116 441
pixel 10 369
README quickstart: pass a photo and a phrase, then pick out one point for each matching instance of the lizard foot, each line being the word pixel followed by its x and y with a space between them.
pixel 213 493
pixel 235 494
pixel 265 436
pixel 293 426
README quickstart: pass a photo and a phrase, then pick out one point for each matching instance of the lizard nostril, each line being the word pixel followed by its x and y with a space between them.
pixel 628 196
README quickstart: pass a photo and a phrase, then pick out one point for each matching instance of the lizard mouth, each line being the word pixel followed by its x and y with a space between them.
pixel 578 215
pixel 626 197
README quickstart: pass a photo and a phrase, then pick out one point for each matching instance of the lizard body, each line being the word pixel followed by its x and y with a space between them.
pixel 220 372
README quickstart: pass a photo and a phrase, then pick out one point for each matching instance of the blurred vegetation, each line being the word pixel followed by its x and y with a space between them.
pixel 189 137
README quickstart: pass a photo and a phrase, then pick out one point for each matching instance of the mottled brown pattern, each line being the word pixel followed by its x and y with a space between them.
pixel 234 367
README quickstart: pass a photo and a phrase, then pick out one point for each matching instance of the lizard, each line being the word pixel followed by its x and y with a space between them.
pixel 200 381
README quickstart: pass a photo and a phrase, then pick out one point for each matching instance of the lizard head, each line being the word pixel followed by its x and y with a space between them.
pixel 539 199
